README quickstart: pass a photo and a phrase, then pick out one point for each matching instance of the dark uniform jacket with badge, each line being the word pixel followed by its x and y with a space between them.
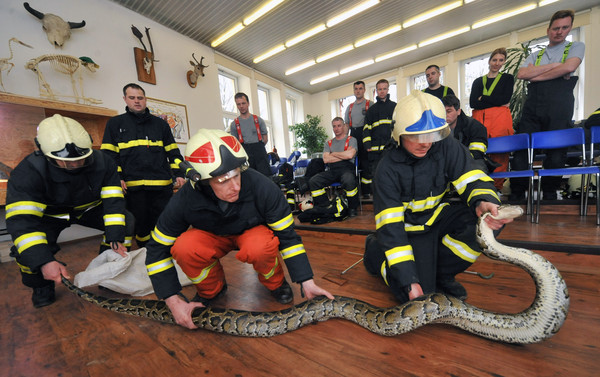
pixel 409 195
pixel 144 149
pixel 377 131
pixel 39 192
pixel 260 203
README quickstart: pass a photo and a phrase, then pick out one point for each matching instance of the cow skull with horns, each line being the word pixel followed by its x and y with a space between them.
pixel 57 30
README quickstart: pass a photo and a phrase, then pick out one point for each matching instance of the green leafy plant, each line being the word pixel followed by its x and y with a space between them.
pixel 515 57
pixel 310 135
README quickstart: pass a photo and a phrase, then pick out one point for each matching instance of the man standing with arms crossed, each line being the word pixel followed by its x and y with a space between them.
pixel 355 119
pixel 550 99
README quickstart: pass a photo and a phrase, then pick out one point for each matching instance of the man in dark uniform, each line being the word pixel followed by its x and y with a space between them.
pixel 550 99
pixel 422 242
pixel 228 207
pixel 64 183
pixel 145 152
pixel 378 125
pixel 432 74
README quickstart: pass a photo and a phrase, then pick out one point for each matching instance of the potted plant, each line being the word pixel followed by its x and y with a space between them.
pixel 310 135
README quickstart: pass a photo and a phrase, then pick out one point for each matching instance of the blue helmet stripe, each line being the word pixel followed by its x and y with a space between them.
pixel 428 122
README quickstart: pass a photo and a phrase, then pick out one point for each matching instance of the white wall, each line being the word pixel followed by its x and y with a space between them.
pixel 108 40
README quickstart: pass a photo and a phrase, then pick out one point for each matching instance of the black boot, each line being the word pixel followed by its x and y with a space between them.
pixel 206 301
pixel 283 294
pixel 450 286
pixel 43 296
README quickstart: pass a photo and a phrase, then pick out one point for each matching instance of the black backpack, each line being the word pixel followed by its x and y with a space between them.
pixel 285 174
pixel 337 210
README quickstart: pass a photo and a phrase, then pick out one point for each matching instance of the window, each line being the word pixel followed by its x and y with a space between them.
pixel 473 68
pixel 265 113
pixel 227 88
pixel 343 104
pixel 291 110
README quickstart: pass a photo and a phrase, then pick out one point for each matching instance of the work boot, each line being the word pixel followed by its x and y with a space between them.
pixel 206 301
pixel 353 212
pixel 370 242
pixel 452 287
pixel 283 294
pixel 43 296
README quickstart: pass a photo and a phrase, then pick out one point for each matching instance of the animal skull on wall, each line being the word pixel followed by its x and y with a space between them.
pixel 57 30
pixel 192 76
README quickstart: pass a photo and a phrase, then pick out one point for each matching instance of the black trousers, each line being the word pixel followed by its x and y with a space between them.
pixel 146 206
pixel 347 179
pixel 366 176
pixel 257 157
pixel 436 252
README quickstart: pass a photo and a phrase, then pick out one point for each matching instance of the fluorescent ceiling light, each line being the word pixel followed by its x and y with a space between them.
pixel 228 34
pixel 300 67
pixel 335 53
pixel 356 66
pixel 269 53
pixel 261 11
pixel 352 12
pixel 395 53
pixel 432 13
pixel 504 15
pixel 447 35
pixel 305 35
pixel 323 78
pixel 546 2
pixel 376 36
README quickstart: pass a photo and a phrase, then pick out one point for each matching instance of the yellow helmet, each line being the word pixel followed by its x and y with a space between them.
pixel 65 139
pixel 214 153
pixel 420 117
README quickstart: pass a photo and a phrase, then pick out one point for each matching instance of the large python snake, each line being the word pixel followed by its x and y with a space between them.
pixel 540 321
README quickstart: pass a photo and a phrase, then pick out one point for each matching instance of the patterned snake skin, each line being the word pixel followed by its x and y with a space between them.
pixel 540 321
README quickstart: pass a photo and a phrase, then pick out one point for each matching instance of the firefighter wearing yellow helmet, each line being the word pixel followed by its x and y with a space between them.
pixel 422 241
pixel 65 182
pixel 227 206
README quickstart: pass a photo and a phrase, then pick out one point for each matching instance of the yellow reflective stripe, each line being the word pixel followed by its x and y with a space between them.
pixel 366 139
pixel 149 182
pixel 481 147
pixel 162 238
pixel 477 192
pixel 292 251
pixel 25 208
pixel 119 169
pixel 203 274
pixel 389 216
pixel 170 147
pixel 318 192
pixel 111 192
pixel 460 249
pixel 110 147
pixel 384 273
pixel 62 216
pixel 425 204
pixel 160 266
pixel 366 181
pixel 87 206
pixel 28 240
pixel 25 269
pixel 381 122
pixel 291 200
pixel 269 274
pixel 283 223
pixel 174 166
pixel 141 143
pixel 128 241
pixel 114 219
pixel 399 254
pixel 414 228
pixel 142 238
pixel 471 176
pixel 352 193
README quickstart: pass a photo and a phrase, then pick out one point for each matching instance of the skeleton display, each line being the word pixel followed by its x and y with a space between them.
pixel 192 76
pixel 149 56
pixel 57 30
pixel 5 64
pixel 68 65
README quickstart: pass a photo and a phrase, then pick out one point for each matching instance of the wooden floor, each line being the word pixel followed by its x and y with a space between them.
pixel 75 338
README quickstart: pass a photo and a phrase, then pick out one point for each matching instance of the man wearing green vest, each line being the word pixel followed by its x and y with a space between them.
pixel 432 74
pixel 550 100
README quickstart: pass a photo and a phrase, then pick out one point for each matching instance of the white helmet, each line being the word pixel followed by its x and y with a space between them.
pixel 214 153
pixel 65 139
pixel 421 118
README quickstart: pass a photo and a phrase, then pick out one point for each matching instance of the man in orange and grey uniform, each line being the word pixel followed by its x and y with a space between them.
pixel 355 119
pixel 251 131
pixel 550 99
pixel 227 207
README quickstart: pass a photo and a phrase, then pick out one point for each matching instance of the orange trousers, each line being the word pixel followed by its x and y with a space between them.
pixel 198 252
pixel 498 122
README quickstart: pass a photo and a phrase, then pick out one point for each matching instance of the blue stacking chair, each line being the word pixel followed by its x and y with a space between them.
pixel 595 139
pixel 512 143
pixel 563 139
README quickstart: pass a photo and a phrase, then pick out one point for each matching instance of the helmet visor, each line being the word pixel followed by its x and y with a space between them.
pixel 428 137
pixel 71 152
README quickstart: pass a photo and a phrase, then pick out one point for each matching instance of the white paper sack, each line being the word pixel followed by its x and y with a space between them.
pixel 124 275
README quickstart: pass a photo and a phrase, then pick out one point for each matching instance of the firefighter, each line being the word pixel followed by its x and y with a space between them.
pixel 422 241
pixel 228 207
pixel 65 182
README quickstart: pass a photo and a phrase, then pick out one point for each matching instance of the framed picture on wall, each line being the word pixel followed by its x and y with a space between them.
pixel 174 114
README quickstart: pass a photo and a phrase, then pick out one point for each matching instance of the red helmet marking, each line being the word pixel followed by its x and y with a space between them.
pixel 204 154
pixel 232 142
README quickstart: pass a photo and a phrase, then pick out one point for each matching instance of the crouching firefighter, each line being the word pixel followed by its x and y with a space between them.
pixel 422 241
pixel 229 207
pixel 65 182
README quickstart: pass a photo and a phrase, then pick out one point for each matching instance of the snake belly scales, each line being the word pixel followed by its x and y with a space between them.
pixel 542 319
